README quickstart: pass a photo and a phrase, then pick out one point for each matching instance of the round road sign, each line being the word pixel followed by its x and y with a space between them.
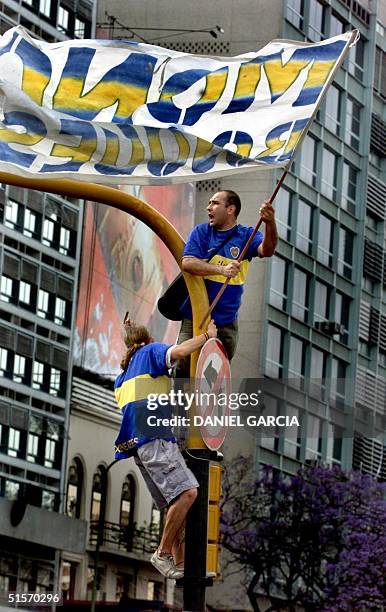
pixel 213 386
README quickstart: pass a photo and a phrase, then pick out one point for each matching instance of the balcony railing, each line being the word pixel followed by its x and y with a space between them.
pixel 129 539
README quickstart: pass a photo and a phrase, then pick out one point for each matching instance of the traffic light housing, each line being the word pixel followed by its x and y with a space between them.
pixel 212 558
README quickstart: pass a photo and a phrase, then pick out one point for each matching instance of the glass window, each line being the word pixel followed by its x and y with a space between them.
pixel 342 314
pixel 329 174
pixel 11 489
pixel 37 375
pixel 19 368
pixel 49 453
pixel 333 110
pixel 126 518
pixel 48 500
pixel 3 360
pixel 308 160
pixel 314 438
pixel 43 299
pixel 270 435
pixel 296 362
pixel 283 213
pixel 6 289
pixel 338 379
pixel 45 7
pixel 336 26
pixel 318 364
pixel 80 28
pixel 33 447
pixel 337 448
pixel 278 291
pixel 349 187
pixel 356 59
pixel 30 223
pixel 321 301
pixel 74 488
pixel 318 371
pixel 55 381
pixel 300 295
pixel 345 252
pixel 13 442
pixel 325 241
pixel 11 214
pixel 24 292
pixel 316 20
pixel 295 10
pixel 98 499
pixel 64 244
pixel 63 15
pixel 292 438
pixel 48 232
pixel 60 311
pixel 353 125
pixel 274 362
pixel 304 227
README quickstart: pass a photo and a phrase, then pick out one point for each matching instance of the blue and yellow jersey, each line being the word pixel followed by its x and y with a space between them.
pixel 204 239
pixel 146 373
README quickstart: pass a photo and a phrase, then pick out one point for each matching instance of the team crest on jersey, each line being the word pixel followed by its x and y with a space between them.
pixel 235 252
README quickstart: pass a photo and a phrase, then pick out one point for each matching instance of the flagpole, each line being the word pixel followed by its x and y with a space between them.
pixel 242 254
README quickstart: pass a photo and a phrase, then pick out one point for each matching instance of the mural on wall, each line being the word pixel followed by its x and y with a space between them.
pixel 126 267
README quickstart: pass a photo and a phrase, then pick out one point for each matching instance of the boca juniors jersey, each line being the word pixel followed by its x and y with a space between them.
pixel 146 374
pixel 204 239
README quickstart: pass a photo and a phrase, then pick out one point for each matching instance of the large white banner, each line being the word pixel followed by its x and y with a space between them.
pixel 124 112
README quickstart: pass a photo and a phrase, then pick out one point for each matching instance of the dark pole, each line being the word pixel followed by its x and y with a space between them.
pixel 99 539
pixel 196 533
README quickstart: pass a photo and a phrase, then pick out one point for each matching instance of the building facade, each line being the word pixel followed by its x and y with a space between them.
pixel 112 496
pixel 40 246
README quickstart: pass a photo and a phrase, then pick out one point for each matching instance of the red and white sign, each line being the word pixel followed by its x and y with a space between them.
pixel 213 386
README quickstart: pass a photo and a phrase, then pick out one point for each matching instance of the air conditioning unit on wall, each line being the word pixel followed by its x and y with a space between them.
pixel 330 328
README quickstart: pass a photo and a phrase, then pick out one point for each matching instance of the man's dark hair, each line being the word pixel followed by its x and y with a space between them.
pixel 233 198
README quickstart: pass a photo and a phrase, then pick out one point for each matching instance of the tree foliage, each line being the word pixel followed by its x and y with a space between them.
pixel 316 539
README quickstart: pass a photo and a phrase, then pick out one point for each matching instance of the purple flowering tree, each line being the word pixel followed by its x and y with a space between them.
pixel 316 539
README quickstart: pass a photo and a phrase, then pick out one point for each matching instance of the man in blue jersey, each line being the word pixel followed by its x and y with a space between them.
pixel 223 210
pixel 145 372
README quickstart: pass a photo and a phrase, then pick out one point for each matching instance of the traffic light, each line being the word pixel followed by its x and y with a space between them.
pixel 212 557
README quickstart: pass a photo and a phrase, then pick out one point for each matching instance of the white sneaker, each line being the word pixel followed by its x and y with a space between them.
pixel 166 566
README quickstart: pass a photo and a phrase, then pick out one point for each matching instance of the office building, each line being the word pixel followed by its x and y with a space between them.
pixel 40 246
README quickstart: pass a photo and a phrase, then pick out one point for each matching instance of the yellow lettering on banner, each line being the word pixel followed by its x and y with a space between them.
pixel 112 150
pixel 203 149
pixel 282 77
pixel 292 141
pixel 69 96
pixel 215 84
pixel 12 137
pixel 183 145
pixel 137 152
pixel 247 81
pixel 81 153
pixel 273 144
pixel 34 84
pixel 156 150
pixel 318 74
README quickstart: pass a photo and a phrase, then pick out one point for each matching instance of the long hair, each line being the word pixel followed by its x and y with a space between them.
pixel 136 336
